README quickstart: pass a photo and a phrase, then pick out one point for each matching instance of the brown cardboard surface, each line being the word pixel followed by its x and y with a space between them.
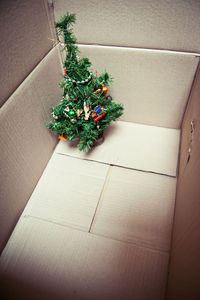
pixel 137 207
pixel 184 273
pixel 157 24
pixel 68 192
pixel 48 261
pixel 24 41
pixel 26 145
pixel 135 146
pixel 153 85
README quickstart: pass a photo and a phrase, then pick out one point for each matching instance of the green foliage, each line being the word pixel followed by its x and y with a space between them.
pixel 83 92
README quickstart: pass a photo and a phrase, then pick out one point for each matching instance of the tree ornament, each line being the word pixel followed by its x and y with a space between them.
pixel 78 81
pixel 66 97
pixel 65 111
pixel 104 89
pixel 71 113
pixel 73 120
pixel 87 111
pixel 97 91
pixel 84 94
pixel 98 113
pixel 61 137
pixel 54 116
pixel 79 112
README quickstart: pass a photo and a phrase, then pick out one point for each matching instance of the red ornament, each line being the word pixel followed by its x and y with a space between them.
pixel 65 72
pixel 98 113
pixel 99 117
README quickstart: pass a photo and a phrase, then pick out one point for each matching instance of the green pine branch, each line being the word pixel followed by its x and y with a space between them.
pixel 81 87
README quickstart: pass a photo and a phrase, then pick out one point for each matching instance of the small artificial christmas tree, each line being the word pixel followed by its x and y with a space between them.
pixel 85 110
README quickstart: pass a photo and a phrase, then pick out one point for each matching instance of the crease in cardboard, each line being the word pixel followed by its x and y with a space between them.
pixel 190 93
pixel 156 50
pixel 26 216
pixel 49 9
pixel 100 197
pixel 72 226
pixel 116 165
pixel 125 145
pixel 137 243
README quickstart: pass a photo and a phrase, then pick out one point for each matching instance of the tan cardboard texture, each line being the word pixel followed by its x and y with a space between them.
pixel 137 207
pixel 26 145
pixel 48 261
pixel 96 226
pixel 24 42
pixel 153 85
pixel 157 24
pixel 135 146
pixel 185 265
pixel 56 197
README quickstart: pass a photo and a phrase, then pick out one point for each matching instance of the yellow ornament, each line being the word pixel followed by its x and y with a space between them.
pixel 79 112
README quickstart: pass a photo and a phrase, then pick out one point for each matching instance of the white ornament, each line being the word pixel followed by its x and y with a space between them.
pixel 87 111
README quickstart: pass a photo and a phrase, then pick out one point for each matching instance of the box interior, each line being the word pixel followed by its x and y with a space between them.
pixel 121 221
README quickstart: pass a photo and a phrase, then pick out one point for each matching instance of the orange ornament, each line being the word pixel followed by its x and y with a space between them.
pixel 97 91
pixel 61 137
pixel 104 89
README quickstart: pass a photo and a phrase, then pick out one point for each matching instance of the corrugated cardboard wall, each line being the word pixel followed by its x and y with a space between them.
pixel 184 273
pixel 127 23
pixel 24 27
pixel 153 85
pixel 26 144
pixel 154 24
pixel 172 25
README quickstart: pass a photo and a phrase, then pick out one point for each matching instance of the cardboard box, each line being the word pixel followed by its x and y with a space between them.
pixel 121 222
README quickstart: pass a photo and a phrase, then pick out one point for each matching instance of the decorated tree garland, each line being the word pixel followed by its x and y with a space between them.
pixel 86 109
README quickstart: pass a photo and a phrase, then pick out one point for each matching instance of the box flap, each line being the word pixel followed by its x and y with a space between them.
pixel 68 192
pixel 158 24
pixel 137 207
pixel 26 145
pixel 25 40
pixel 153 86
pixel 135 146
pixel 48 261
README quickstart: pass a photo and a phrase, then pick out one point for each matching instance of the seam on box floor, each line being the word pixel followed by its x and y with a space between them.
pixel 101 197
pixel 101 236
pixel 71 226
pixel 132 243
pixel 100 162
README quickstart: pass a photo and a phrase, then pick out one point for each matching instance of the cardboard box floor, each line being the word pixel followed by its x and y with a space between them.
pixel 98 226
pixel 96 229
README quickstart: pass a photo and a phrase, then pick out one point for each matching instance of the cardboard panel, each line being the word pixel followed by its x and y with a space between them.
pixel 47 261
pixel 26 145
pixel 137 207
pixel 68 192
pixel 25 30
pixel 134 146
pixel 184 273
pixel 157 24
pixel 153 85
